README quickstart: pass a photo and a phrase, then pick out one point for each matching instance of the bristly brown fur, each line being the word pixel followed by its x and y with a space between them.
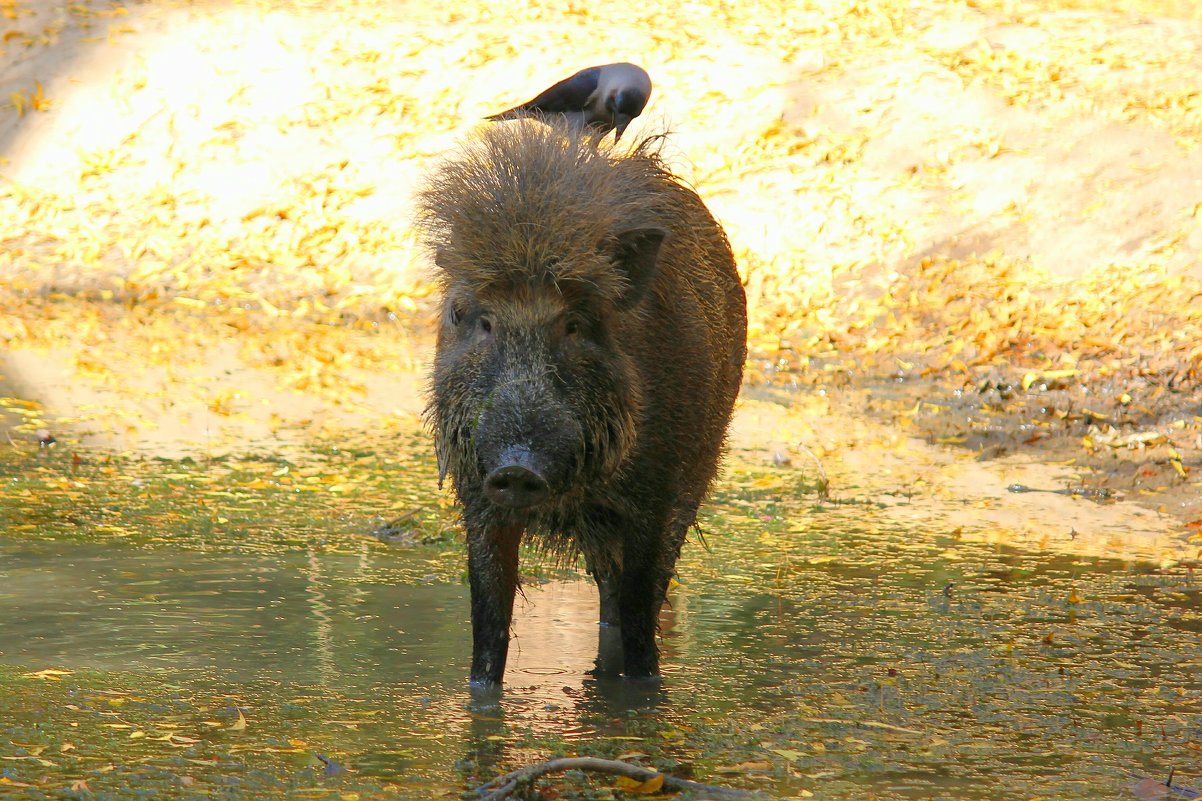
pixel 528 202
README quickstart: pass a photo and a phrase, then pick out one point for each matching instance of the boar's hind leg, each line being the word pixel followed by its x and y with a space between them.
pixel 492 558
pixel 609 637
pixel 608 585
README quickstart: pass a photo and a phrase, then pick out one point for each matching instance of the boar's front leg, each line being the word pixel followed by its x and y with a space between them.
pixel 643 590
pixel 648 564
pixel 492 563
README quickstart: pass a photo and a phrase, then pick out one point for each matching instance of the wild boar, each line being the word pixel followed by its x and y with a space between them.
pixel 590 349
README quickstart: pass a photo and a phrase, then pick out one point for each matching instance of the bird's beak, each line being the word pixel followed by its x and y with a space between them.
pixel 620 123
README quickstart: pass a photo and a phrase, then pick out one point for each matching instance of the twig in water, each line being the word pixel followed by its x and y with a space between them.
pixel 824 483
pixel 504 786
pixel 867 724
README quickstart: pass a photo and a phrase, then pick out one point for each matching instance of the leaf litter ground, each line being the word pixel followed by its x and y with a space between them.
pixel 960 195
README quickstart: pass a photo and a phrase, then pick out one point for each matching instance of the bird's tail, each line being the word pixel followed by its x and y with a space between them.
pixel 515 113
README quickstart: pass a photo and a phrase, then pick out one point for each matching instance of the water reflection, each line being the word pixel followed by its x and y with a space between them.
pixel 297 617
pixel 840 660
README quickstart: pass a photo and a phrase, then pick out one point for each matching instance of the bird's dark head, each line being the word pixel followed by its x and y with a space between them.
pixel 624 106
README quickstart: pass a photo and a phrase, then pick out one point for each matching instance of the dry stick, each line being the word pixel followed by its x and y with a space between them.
pixel 510 782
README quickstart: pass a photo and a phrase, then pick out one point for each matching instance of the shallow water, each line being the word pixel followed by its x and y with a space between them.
pixel 810 648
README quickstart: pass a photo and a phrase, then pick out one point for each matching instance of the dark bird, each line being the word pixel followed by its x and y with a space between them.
pixel 600 99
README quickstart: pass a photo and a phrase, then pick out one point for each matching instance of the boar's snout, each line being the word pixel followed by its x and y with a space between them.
pixel 527 445
pixel 516 481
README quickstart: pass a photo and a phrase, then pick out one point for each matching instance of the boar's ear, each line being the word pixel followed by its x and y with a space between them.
pixel 636 253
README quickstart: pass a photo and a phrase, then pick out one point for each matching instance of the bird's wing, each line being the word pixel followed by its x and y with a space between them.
pixel 570 94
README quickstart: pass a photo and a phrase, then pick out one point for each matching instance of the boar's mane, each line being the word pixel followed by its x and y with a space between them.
pixel 528 203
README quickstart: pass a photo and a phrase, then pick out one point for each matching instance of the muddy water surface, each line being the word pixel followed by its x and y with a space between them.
pixel 232 627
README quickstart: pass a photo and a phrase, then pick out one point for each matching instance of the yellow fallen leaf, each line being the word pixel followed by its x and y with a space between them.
pixel 49 674
pixel 240 723
pixel 651 785
pixel 37 100
pixel 745 767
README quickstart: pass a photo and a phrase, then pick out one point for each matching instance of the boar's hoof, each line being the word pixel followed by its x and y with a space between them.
pixel 516 481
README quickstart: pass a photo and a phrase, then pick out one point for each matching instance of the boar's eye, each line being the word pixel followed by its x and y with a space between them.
pixel 486 325
pixel 455 316
pixel 576 323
